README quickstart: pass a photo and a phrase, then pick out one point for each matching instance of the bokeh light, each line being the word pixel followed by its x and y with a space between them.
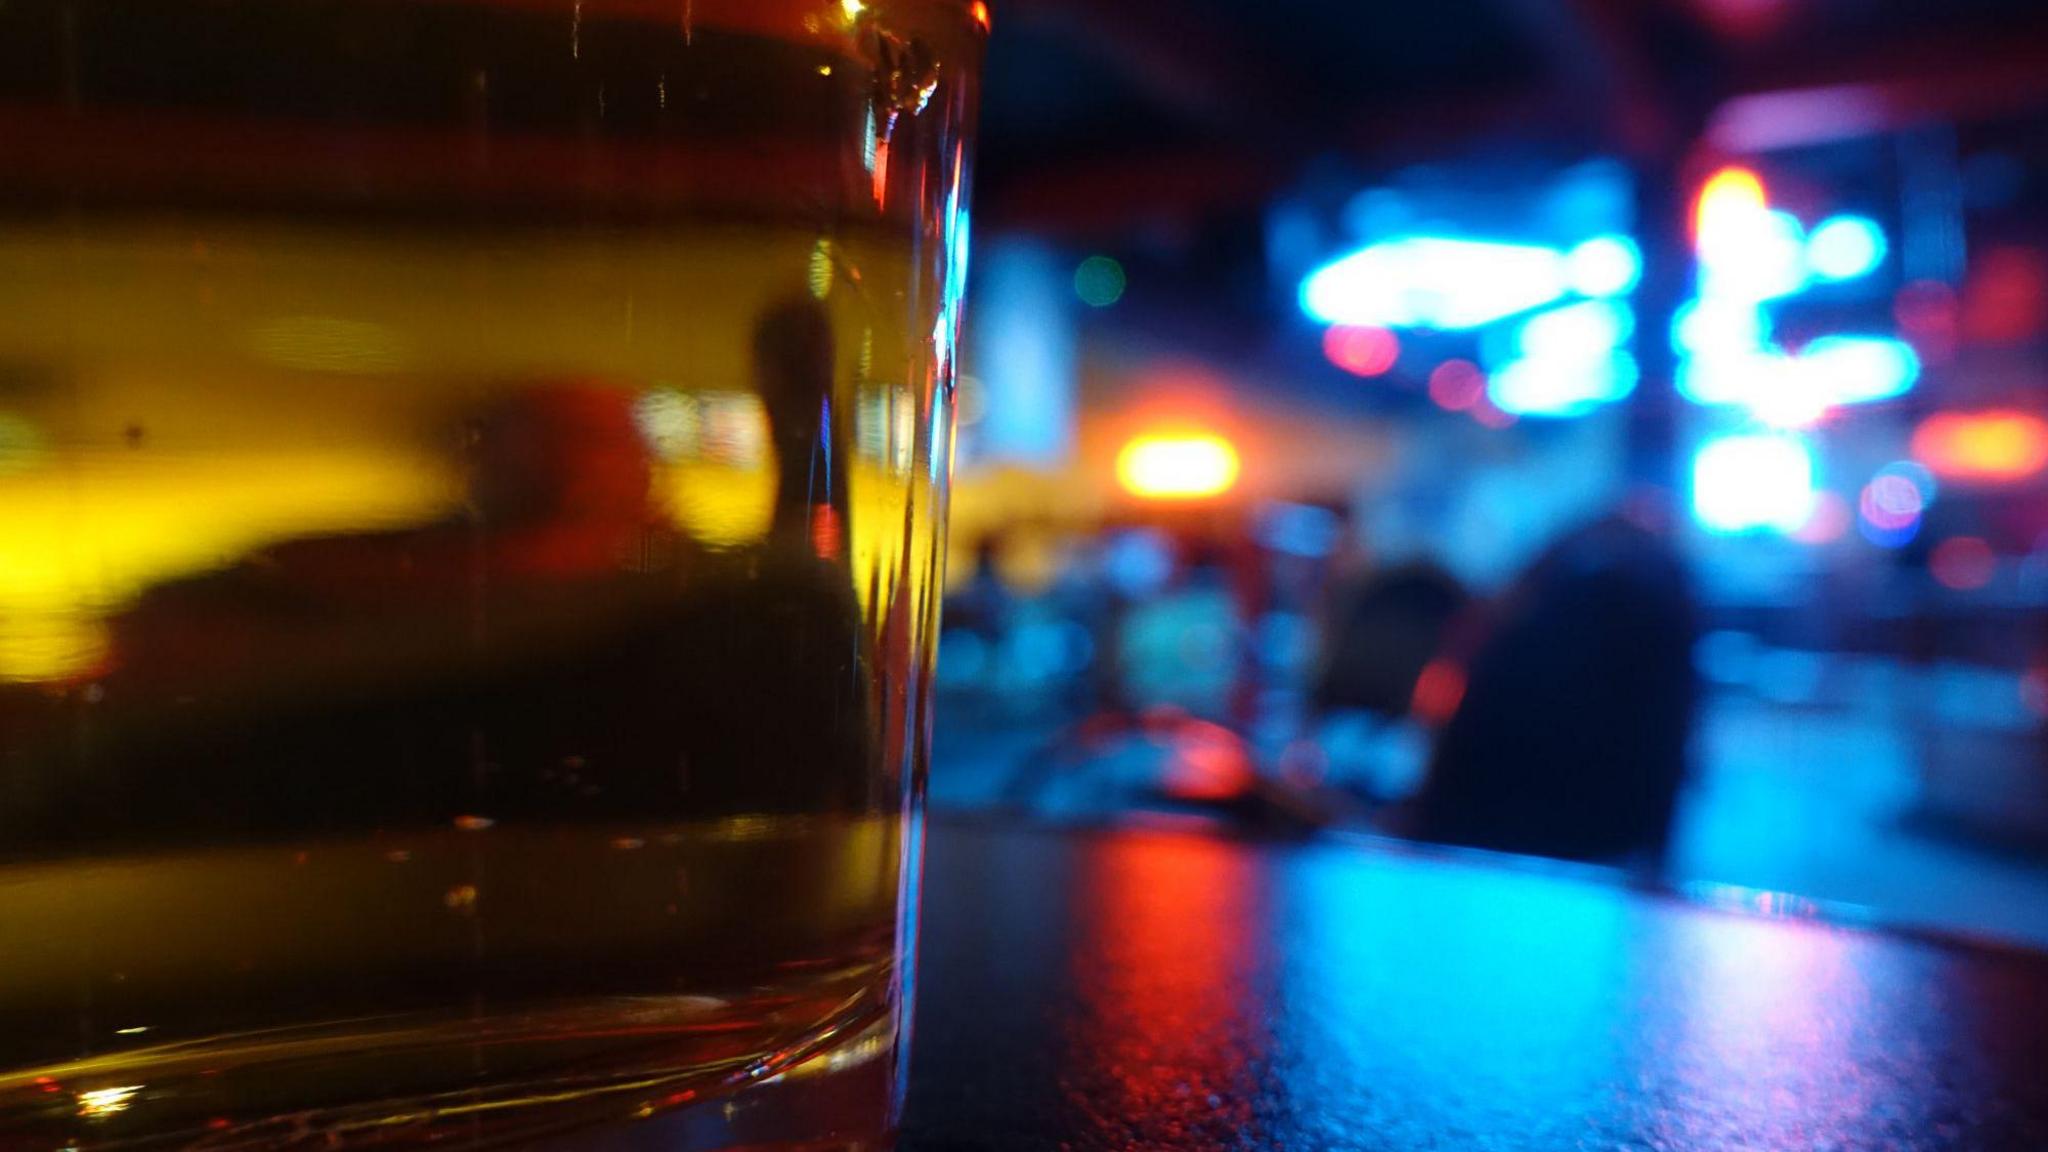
pixel 1845 247
pixel 1604 266
pixel 1963 563
pixel 1991 446
pixel 1361 349
pixel 1456 385
pixel 1099 281
pixel 1828 522
pixel 1747 483
pixel 1177 466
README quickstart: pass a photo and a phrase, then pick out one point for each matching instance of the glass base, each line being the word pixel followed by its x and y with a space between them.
pixel 690 1078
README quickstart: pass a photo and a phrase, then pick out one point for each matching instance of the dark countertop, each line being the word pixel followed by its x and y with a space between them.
pixel 1138 990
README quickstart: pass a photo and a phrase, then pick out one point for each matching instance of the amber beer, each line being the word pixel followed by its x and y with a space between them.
pixel 472 487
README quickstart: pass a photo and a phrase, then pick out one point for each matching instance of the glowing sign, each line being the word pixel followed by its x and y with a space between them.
pixel 1988 447
pixel 1845 247
pixel 1434 282
pixel 1604 266
pixel 1753 482
pixel 1182 466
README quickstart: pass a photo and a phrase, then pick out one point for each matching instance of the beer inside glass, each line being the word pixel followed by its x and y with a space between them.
pixel 472 492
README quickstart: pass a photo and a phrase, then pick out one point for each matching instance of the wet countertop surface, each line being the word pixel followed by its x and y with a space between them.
pixel 1165 989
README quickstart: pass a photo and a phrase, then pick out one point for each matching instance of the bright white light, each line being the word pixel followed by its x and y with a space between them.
pixel 1715 326
pixel 668 421
pixel 102 1102
pixel 1751 483
pixel 1845 247
pixel 1434 282
pixel 1579 333
pixel 1792 399
pixel 1752 256
pixel 1859 369
pixel 1556 387
pixel 1738 377
pixel 1604 266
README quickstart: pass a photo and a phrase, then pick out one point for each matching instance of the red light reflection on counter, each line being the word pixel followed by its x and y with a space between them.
pixel 1173 926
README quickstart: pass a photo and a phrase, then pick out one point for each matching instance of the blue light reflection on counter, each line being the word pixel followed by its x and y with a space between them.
pixel 1346 995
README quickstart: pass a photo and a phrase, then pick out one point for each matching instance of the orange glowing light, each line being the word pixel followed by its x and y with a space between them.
pixel 1992 447
pixel 1178 466
pixel 1731 193
pixel 979 11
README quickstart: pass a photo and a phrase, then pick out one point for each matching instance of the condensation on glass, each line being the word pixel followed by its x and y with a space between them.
pixel 472 488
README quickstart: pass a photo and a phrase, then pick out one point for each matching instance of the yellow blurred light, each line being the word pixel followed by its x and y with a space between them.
pixel 851 8
pixel 78 545
pixel 1180 466
pixel 106 1101
pixel 1729 194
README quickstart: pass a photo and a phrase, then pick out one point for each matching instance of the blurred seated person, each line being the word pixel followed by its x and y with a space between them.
pixel 1567 712
pixel 1384 628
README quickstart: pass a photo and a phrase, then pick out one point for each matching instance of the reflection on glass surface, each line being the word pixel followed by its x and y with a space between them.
pixel 469 535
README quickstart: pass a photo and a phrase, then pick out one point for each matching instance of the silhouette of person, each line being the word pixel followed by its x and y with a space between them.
pixel 1570 737
pixel 555 653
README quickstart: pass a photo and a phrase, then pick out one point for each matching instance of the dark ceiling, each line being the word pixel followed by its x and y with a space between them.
pixel 1100 114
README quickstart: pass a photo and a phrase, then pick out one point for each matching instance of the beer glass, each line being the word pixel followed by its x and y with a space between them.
pixel 472 496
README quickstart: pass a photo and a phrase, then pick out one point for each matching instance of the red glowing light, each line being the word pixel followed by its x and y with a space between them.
pixel 825 532
pixel 1991 447
pixel 880 173
pixel 979 11
pixel 1963 563
pixel 1457 385
pixel 1927 315
pixel 1438 692
pixel 2006 298
pixel 1361 350
pixel 1208 762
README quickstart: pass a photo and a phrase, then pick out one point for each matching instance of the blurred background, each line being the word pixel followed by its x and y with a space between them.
pixel 1606 431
